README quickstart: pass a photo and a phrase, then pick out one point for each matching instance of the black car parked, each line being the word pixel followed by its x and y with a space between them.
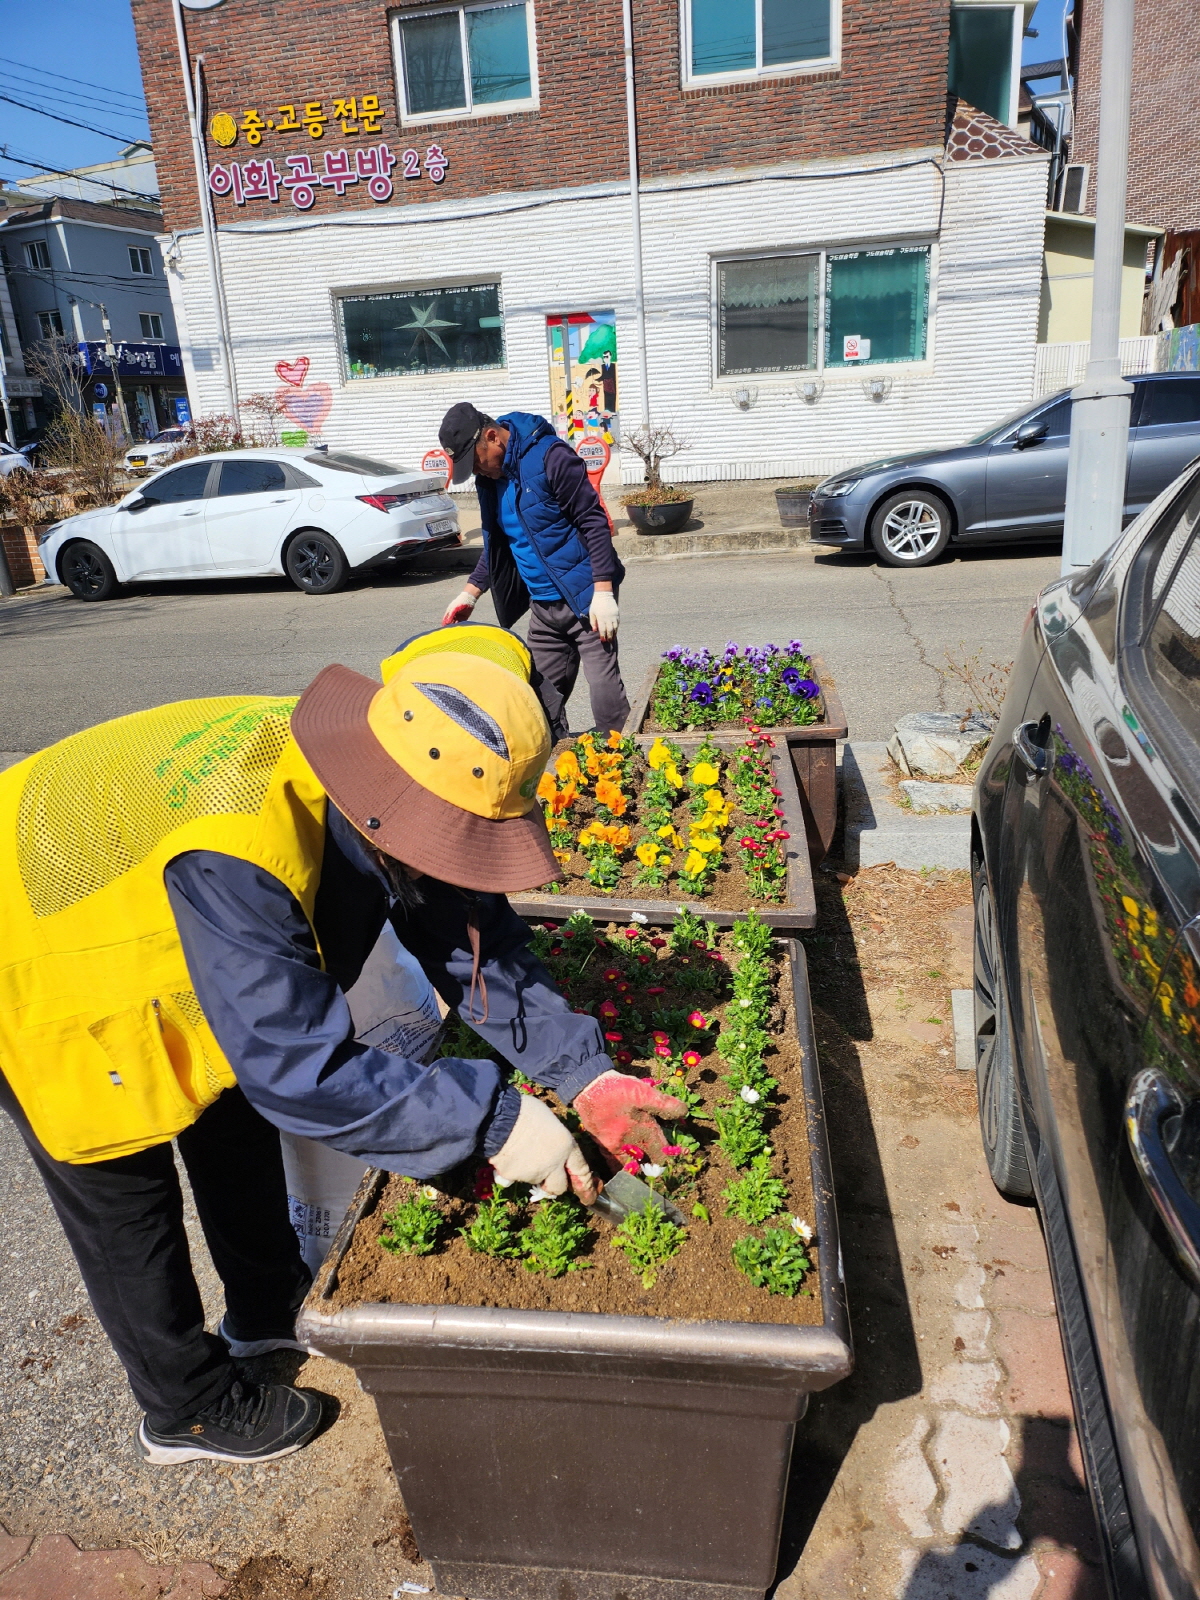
pixel 1009 483
pixel 1086 865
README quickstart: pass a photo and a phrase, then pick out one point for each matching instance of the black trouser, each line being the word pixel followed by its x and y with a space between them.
pixel 124 1222
pixel 558 642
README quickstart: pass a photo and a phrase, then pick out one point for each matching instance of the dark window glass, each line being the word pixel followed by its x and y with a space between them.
pixel 767 311
pixel 250 477
pixel 423 330
pixel 498 45
pixel 1057 420
pixel 433 65
pixel 1176 400
pixel 1172 647
pixel 876 302
pixel 794 30
pixel 185 483
pixel 342 461
pixel 981 48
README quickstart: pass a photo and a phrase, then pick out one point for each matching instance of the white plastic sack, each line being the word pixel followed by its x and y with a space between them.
pixel 394 1008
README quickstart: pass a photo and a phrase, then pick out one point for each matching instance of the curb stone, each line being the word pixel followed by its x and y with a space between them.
pixel 878 830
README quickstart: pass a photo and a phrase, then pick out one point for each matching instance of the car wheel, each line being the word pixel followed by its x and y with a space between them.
pixel 87 572
pixel 316 564
pixel 911 528
pixel 995 1059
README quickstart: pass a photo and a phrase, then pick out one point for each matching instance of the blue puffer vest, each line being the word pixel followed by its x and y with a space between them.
pixel 555 539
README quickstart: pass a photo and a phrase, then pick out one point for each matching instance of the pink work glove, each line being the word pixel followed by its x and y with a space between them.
pixel 617 1110
pixel 460 608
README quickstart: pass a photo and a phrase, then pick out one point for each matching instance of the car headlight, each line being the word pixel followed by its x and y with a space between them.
pixel 47 533
pixel 836 490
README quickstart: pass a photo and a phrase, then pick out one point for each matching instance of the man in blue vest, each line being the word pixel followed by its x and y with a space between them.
pixel 548 550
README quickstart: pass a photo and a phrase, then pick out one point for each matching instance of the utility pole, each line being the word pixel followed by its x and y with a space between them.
pixel 1096 467
pixel 110 352
pixel 635 204
pixel 9 425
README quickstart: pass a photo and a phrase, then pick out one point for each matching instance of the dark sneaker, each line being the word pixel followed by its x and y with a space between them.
pixel 246 1349
pixel 252 1422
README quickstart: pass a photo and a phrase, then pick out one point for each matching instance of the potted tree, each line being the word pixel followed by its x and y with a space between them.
pixel 657 507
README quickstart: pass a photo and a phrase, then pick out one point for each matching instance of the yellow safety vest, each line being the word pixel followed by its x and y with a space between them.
pixel 101 1034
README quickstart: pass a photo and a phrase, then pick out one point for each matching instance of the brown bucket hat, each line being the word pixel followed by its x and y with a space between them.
pixel 438 767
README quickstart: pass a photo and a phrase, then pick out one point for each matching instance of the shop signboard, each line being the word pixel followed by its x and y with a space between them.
pixel 134 360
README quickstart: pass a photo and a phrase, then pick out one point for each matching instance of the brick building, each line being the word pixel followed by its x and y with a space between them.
pixel 430 202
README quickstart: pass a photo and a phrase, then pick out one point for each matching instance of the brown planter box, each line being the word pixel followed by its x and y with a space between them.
pixel 813 749
pixel 545 1455
pixel 799 910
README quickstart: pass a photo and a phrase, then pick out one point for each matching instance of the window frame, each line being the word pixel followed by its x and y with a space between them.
pixel 1017 37
pixel 55 333
pixel 704 80
pixel 843 373
pixel 464 281
pixel 152 316
pixel 34 248
pixel 136 252
pixel 471 113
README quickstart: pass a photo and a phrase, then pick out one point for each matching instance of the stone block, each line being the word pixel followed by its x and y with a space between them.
pixel 1066 1577
pixel 12 1549
pixel 980 1494
pixel 936 743
pixel 911 1486
pixel 58 1570
pixel 971 1385
pixel 1031 1350
pixel 930 797
pixel 969 1573
pixel 971 1330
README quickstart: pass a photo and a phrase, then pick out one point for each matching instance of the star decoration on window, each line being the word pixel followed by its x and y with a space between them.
pixel 426 325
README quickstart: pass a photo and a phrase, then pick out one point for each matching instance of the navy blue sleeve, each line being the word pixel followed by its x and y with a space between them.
pixel 286 1030
pixel 529 1021
pixel 581 505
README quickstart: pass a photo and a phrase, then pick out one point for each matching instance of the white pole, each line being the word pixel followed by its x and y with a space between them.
pixel 206 218
pixel 9 423
pixel 1096 468
pixel 635 204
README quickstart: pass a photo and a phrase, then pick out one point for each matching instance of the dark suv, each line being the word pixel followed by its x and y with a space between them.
pixel 1086 864
pixel 1008 483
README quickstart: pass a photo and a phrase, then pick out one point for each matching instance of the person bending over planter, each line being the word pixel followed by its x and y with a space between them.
pixel 548 550
pixel 185 896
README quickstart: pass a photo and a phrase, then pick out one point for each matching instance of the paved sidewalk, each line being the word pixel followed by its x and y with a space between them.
pixel 54 1568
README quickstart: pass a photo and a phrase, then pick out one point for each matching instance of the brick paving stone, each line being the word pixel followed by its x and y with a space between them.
pixel 912 1488
pixel 195 1580
pixel 1066 1577
pixel 980 1494
pixel 969 1384
pixel 969 1573
pixel 971 1331
pixel 58 1570
pixel 1026 1291
pixel 1031 1350
pixel 1063 1515
pixel 12 1549
pixel 1005 1244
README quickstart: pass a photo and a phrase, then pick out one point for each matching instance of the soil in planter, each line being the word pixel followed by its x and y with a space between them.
pixel 728 890
pixel 693 670
pixel 701 1283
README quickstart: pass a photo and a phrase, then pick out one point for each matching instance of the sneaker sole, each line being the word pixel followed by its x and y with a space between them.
pixel 247 1349
pixel 174 1455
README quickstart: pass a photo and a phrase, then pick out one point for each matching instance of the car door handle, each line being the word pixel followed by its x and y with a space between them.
pixel 282 501
pixel 189 513
pixel 1032 755
pixel 1152 1099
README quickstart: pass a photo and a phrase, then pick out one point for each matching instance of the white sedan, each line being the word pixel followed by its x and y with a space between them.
pixel 15 460
pixel 316 515
pixel 153 452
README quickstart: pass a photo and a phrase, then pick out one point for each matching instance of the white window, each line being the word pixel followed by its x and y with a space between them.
pixel 51 324
pixel 139 261
pixel 38 255
pixel 846 308
pixel 465 61
pixel 725 40
pixel 151 322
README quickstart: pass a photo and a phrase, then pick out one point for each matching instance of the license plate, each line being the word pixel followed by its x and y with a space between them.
pixel 446 525
pixel 137 461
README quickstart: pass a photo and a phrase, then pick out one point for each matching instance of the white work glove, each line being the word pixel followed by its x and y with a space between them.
pixel 540 1151
pixel 604 614
pixel 460 608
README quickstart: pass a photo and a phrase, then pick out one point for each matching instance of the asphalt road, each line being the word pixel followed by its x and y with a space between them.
pixel 65 664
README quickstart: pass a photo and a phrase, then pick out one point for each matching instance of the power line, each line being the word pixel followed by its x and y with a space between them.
pixel 120 138
pixel 69 98
pixel 6 154
pixel 82 82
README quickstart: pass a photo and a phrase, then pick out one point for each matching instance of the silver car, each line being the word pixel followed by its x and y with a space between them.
pixel 1010 482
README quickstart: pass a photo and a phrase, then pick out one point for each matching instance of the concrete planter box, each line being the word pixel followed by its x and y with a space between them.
pixel 798 910
pixel 554 1456
pixel 813 751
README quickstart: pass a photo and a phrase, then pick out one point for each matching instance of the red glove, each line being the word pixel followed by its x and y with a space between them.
pixel 460 608
pixel 617 1109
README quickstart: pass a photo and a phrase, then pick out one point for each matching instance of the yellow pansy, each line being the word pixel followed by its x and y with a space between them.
pixel 672 833
pixel 705 774
pixel 705 842
pixel 658 754
pixel 647 853
pixel 562 857
pixel 674 776
pixel 695 864
pixel 1132 909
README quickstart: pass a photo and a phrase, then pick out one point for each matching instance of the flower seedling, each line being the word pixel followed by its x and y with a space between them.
pixel 777 1262
pixel 411 1228
pixel 492 1232
pixel 648 1238
pixel 757 1195
pixel 740 1132
pixel 551 1242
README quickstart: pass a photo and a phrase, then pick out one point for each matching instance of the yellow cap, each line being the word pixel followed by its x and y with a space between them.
pixel 466 729
pixel 479 639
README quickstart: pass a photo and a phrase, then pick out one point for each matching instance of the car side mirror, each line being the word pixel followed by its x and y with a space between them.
pixel 138 503
pixel 1031 433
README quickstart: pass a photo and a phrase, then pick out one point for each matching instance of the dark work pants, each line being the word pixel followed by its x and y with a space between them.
pixel 558 641
pixel 124 1221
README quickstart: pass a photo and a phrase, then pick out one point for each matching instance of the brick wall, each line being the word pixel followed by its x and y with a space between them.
pixel 24 563
pixel 1164 139
pixel 888 94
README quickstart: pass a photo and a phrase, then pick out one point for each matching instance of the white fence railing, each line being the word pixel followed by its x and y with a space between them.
pixel 1062 366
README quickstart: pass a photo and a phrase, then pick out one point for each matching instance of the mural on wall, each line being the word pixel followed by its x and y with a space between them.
pixel 582 351
pixel 307 406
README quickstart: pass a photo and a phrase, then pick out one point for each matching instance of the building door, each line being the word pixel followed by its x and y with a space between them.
pixel 582 351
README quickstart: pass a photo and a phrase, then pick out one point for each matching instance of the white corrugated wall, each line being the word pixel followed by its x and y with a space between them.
pixel 562 252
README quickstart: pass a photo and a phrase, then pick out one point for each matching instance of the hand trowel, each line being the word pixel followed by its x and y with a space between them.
pixel 623 1194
